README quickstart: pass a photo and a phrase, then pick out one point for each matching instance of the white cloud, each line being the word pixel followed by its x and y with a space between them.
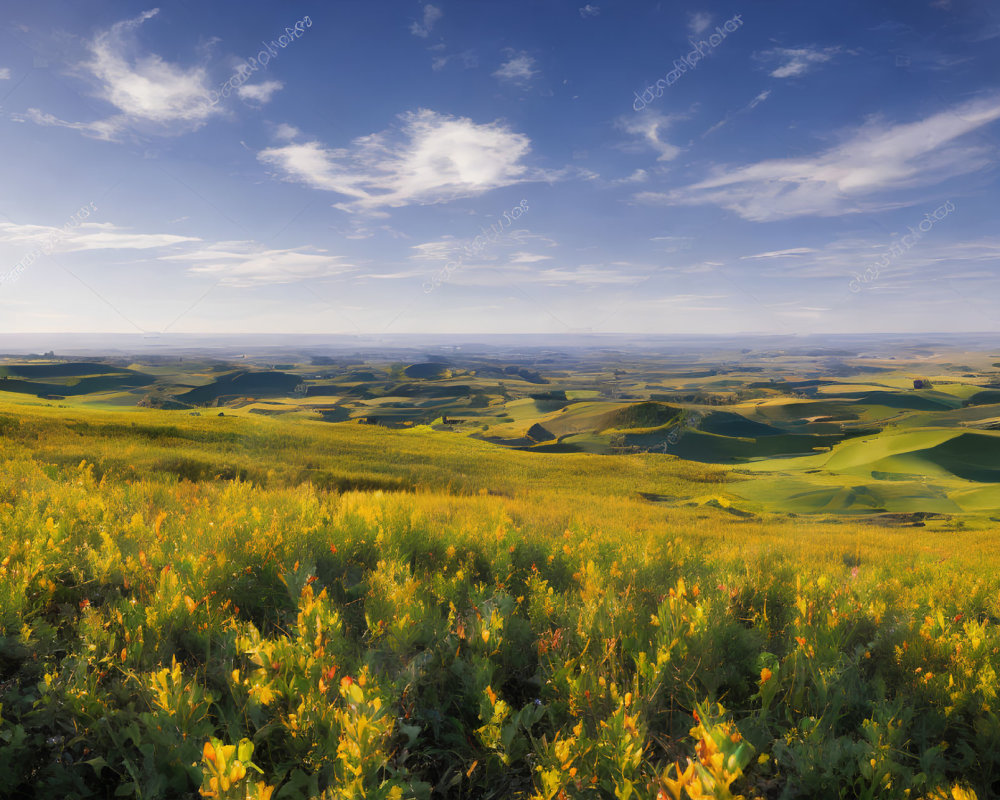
pixel 649 128
pixel 528 258
pixel 806 312
pixel 932 258
pixel 652 198
pixel 86 236
pixel 638 176
pixel 519 68
pixel 520 273
pixel 433 158
pixel 587 275
pixel 698 22
pixel 286 131
pixel 105 129
pixel 760 98
pixel 423 29
pixel 468 59
pixel 236 263
pixel 792 251
pixel 394 276
pixel 247 264
pixel 590 11
pixel 673 244
pixel 146 90
pixel 874 159
pixel 438 250
pixel 4 73
pixel 259 93
pixel 797 61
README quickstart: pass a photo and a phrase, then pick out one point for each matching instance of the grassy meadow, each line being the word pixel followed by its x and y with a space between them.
pixel 240 606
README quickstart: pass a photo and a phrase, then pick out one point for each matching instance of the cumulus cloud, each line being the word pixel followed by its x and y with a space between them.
pixel 797 61
pixel 146 90
pixel 429 158
pixel 519 68
pixel 259 93
pixel 853 176
pixel 423 28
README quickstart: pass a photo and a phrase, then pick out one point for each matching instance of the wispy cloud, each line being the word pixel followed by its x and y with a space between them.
pixel 236 263
pixel 430 158
pixel 792 251
pixel 673 244
pixel 528 258
pixel 590 11
pixel 4 73
pixel 797 61
pixel 87 236
pixel 841 258
pixel 423 28
pixel 649 128
pixel 638 176
pixel 521 273
pixel 467 58
pixel 586 275
pixel 108 130
pixel 157 95
pixel 698 22
pixel 519 68
pixel 873 159
pixel 760 98
pixel 247 264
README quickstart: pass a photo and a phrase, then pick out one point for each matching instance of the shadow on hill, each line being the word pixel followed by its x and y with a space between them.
pixel 244 384
pixel 726 423
pixel 975 457
pixel 639 415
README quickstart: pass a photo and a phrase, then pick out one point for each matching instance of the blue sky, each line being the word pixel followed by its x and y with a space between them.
pixel 341 182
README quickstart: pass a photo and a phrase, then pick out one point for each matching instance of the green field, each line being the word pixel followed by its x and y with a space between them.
pixel 611 583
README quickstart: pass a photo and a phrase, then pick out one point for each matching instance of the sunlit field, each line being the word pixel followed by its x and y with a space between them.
pixel 239 607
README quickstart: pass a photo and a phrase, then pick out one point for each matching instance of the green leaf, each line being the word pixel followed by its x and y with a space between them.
pixel 98 764
pixel 411 732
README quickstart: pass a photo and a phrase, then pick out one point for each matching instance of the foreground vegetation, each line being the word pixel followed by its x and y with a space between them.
pixel 291 609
